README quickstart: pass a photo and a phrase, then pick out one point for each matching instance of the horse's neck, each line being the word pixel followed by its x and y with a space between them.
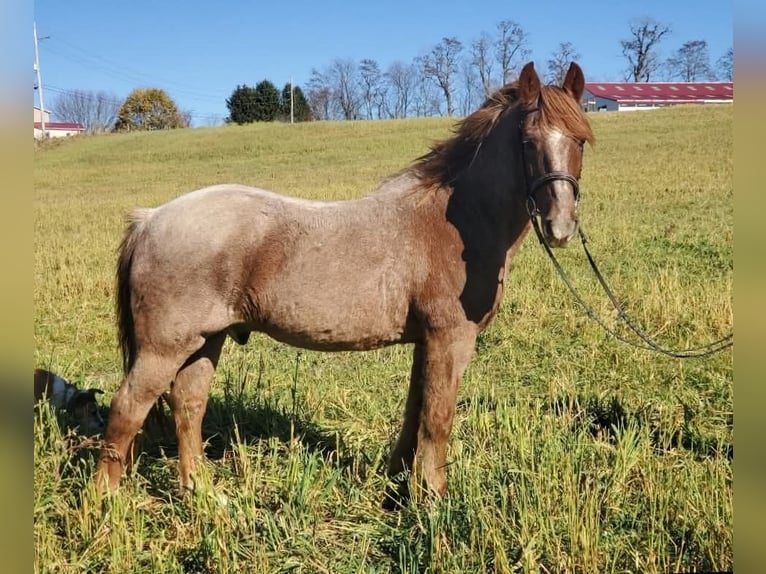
pixel 492 190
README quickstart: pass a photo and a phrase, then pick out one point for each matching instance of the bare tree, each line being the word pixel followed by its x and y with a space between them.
pixel 187 116
pixel 481 59
pixel 319 95
pixel 213 120
pixel 558 64
pixel 725 65
pixel 471 88
pixel 401 79
pixel 441 66
pixel 344 80
pixel 95 111
pixel 373 90
pixel 691 62
pixel 426 100
pixel 641 48
pixel 510 49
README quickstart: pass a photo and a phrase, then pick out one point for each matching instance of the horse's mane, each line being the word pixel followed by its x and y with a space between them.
pixel 447 158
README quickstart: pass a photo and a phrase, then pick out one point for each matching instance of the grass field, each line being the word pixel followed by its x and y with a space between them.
pixel 571 452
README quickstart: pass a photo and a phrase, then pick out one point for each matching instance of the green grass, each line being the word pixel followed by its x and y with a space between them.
pixel 571 452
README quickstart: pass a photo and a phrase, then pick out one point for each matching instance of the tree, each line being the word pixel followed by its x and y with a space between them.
pixel 301 109
pixel 267 102
pixel 441 65
pixel 641 48
pixel 725 65
pixel 373 90
pixel 691 62
pixel 400 78
pixel 471 88
pixel 95 111
pixel 559 62
pixel 319 95
pixel 425 100
pixel 482 61
pixel 344 81
pixel 510 49
pixel 242 105
pixel 149 109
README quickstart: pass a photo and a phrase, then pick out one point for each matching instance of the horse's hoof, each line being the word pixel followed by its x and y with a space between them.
pixel 397 495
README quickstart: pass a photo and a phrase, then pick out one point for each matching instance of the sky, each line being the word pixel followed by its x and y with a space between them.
pixel 199 51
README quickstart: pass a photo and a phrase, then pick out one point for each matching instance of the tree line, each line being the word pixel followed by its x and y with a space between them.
pixel 452 78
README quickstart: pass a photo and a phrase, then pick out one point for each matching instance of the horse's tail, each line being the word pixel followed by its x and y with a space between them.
pixel 125 326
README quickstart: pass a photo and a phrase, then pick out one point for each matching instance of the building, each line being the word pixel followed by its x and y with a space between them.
pixel 53 129
pixel 626 96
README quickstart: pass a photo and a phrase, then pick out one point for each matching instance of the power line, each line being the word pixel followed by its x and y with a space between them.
pixel 94 62
pixel 118 71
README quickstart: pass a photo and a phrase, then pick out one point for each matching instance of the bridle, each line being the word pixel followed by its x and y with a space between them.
pixel 534 215
pixel 543 179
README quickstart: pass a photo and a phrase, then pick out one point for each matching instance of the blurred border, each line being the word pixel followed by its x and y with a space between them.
pixel 750 269
pixel 16 58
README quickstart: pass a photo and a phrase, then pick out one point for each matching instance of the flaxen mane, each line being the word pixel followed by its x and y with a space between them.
pixel 447 158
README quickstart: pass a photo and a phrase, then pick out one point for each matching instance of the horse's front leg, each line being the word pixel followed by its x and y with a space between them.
pixel 406 445
pixel 446 356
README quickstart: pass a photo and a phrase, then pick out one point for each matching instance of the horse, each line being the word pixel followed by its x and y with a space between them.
pixel 421 260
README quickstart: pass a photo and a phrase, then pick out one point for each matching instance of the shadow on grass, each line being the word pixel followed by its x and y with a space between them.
pixel 605 417
pixel 248 420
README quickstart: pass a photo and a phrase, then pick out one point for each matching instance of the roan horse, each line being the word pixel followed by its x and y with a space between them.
pixel 420 260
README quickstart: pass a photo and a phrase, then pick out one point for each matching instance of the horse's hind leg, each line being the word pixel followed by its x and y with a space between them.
pixel 151 375
pixel 188 398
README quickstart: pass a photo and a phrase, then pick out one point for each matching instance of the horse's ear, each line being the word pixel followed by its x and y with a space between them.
pixel 574 82
pixel 529 85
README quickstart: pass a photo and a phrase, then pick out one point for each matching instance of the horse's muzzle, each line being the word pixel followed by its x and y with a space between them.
pixel 559 232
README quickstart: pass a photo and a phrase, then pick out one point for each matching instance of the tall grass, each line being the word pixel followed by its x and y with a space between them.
pixel 571 452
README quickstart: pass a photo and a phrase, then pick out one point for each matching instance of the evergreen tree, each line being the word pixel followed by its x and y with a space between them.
pixel 301 108
pixel 242 105
pixel 267 101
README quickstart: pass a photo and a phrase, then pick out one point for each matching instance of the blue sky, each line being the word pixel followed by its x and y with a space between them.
pixel 200 51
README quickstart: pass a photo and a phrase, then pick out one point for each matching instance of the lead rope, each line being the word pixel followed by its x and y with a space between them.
pixel 651 345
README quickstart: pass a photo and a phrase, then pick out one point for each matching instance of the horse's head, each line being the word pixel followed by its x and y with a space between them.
pixel 553 132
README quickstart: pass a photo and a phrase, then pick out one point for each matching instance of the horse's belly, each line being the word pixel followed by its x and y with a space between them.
pixel 332 320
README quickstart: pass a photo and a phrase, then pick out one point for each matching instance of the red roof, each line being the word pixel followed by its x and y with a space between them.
pixel 60 126
pixel 653 92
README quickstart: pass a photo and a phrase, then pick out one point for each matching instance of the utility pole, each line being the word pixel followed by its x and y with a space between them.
pixel 291 101
pixel 39 84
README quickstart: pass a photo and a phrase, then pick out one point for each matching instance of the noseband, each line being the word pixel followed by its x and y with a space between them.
pixel 545 179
